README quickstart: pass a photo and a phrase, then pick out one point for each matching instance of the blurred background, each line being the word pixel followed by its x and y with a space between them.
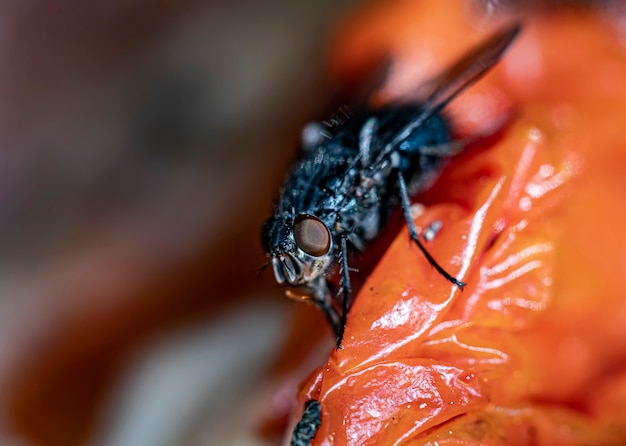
pixel 142 144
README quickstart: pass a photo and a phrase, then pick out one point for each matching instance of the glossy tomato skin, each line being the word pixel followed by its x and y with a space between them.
pixel 531 352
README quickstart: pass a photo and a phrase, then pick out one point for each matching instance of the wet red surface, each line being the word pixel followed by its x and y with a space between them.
pixel 533 350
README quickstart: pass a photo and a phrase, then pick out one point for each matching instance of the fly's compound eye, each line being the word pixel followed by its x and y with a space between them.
pixel 311 235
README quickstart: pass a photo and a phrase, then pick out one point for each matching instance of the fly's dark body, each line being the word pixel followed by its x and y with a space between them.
pixel 348 182
pixel 308 425
pixel 344 179
pixel 353 171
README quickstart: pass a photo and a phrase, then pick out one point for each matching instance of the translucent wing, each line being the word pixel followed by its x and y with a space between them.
pixel 456 78
pixel 469 69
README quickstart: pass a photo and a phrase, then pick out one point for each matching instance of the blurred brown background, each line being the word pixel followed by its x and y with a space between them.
pixel 141 144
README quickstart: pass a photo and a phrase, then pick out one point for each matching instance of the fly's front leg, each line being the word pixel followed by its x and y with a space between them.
pixel 345 290
pixel 406 208
pixel 321 295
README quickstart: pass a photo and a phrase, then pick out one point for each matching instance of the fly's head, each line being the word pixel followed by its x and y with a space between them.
pixel 300 247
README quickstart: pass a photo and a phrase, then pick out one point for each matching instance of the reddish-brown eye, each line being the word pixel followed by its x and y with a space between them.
pixel 311 235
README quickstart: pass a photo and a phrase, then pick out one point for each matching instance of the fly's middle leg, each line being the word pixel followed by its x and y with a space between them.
pixel 406 208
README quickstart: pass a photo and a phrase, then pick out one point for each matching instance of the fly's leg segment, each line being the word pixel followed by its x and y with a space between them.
pixel 345 290
pixel 322 296
pixel 406 208
pixel 331 315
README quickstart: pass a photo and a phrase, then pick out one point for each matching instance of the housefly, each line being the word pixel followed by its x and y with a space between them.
pixel 353 171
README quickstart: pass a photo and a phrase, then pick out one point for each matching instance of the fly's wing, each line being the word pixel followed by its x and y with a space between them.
pixel 469 69
pixel 454 80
